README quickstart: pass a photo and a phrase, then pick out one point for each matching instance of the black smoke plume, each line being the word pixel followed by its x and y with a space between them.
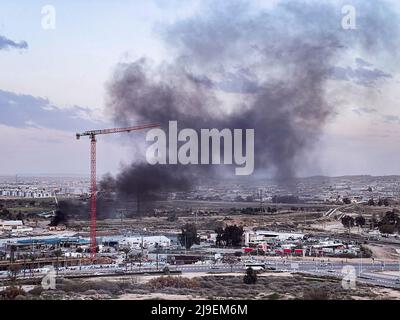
pixel 240 67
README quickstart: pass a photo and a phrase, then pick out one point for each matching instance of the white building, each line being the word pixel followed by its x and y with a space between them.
pixel 14 226
pixel 147 241
pixel 8 225
pixel 263 236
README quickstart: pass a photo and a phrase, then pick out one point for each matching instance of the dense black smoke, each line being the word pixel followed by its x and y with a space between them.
pixel 144 180
pixel 270 67
pixel 59 218
pixel 66 210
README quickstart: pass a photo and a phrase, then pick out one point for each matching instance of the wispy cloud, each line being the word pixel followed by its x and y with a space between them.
pixel 23 111
pixel 390 118
pixel 363 74
pixel 364 110
pixel 6 43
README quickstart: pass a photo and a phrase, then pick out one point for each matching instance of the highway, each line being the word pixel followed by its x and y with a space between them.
pixel 365 273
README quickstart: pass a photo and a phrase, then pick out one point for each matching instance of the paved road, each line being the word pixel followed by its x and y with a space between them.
pixel 365 273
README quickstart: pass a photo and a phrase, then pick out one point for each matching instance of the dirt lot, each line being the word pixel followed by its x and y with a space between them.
pixel 384 252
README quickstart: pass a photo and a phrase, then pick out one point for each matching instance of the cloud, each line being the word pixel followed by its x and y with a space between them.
pixel 6 43
pixel 390 118
pixel 364 110
pixel 22 111
pixel 362 63
pixel 363 74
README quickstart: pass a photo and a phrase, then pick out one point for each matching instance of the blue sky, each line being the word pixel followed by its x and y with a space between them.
pixel 56 86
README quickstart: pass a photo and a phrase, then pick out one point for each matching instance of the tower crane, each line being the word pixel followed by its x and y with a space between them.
pixel 92 135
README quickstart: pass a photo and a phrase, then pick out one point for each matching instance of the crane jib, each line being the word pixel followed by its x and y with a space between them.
pixel 115 130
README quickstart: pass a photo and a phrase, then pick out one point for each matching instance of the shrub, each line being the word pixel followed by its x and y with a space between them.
pixel 36 291
pixel 173 282
pixel 316 294
pixel 250 276
pixel 166 270
pixel 90 292
pixel 273 296
pixel 10 293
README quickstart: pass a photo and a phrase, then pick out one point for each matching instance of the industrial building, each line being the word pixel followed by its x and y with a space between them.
pixel 263 236
pixel 14 226
pixel 138 242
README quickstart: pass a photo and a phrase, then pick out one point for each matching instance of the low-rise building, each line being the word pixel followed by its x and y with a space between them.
pixel 146 241
pixel 263 236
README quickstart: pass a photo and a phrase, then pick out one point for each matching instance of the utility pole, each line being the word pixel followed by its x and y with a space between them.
pixel 185 244
pixel 157 259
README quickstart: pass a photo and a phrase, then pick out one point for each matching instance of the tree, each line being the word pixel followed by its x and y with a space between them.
pixel 220 233
pixel 390 222
pixel 346 200
pixel 13 271
pixel 232 236
pixel 386 202
pixel 126 250
pixel 189 237
pixel 20 216
pixel 374 221
pixel 166 271
pixel 172 217
pixel 347 221
pixel 131 258
pixel 250 277
pixel 371 202
pixel 359 221
pixel 24 257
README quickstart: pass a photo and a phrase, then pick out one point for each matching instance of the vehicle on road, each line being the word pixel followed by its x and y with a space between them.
pixel 255 266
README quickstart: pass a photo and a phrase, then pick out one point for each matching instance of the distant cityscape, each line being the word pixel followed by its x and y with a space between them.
pixel 306 190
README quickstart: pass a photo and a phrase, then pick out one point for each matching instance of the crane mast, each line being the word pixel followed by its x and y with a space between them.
pixel 93 187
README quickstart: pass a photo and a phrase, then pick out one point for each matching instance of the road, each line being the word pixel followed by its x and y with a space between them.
pixel 365 273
